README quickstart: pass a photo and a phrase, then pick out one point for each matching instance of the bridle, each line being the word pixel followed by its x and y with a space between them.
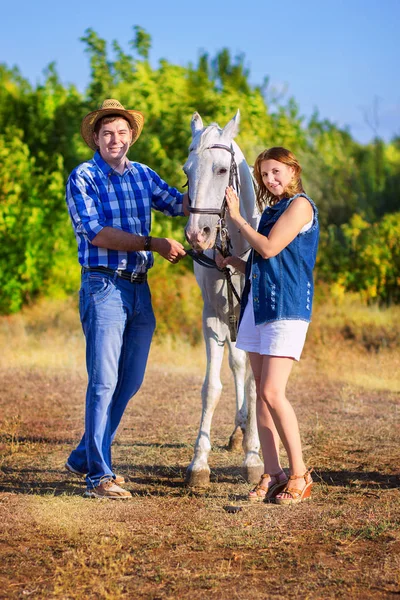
pixel 220 212
pixel 225 246
pixel 233 181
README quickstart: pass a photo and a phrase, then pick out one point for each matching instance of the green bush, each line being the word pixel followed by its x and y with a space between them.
pixel 41 144
pixel 30 213
pixel 363 257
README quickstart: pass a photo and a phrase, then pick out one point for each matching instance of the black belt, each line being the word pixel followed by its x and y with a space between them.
pixel 132 277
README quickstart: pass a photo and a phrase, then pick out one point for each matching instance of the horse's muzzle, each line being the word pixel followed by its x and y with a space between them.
pixel 200 240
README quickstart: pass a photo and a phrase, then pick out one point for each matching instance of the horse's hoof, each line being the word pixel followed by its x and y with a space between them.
pixel 197 478
pixel 253 474
pixel 236 440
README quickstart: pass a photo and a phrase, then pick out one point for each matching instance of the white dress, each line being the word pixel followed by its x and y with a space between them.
pixel 278 338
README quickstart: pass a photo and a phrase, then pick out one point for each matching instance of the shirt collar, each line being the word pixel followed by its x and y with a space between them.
pixel 129 165
pixel 105 167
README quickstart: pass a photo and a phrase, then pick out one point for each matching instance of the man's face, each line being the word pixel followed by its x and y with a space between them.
pixel 113 141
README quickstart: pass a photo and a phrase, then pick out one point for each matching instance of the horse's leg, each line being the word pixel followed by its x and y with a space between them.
pixel 252 467
pixel 198 472
pixel 237 363
pixel 245 433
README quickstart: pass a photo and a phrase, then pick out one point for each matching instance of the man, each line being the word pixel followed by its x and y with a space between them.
pixel 109 200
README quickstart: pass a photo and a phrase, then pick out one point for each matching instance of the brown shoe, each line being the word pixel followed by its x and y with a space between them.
pixel 268 487
pixel 108 489
pixel 298 494
pixel 118 479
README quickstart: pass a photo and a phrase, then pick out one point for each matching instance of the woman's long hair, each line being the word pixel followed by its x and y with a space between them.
pixel 264 197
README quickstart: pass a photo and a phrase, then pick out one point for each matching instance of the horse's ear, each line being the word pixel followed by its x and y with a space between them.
pixel 196 123
pixel 231 129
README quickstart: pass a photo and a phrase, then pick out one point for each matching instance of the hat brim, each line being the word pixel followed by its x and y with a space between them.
pixel 134 117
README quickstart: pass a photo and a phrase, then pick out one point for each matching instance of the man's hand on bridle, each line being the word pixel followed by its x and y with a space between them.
pixel 171 250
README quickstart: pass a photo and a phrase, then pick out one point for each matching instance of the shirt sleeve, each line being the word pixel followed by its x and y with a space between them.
pixel 84 206
pixel 166 199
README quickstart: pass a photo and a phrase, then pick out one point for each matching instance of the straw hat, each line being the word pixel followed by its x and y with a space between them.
pixel 111 107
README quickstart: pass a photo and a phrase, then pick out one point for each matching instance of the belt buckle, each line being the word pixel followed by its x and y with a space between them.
pixel 132 278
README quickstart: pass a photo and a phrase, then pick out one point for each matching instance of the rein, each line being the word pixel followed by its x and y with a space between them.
pixel 224 249
pixel 209 263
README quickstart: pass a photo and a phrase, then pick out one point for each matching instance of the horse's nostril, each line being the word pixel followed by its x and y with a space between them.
pixel 206 231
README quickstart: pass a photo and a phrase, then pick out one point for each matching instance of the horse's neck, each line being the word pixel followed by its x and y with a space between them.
pixel 247 203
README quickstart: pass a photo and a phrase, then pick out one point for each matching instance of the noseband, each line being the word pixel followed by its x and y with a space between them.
pixel 233 181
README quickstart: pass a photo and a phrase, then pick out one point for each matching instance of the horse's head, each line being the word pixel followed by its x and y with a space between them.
pixel 208 170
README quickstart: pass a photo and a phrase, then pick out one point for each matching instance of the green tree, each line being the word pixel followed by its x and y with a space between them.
pixel 141 42
pixel 364 257
pixel 102 79
pixel 355 186
pixel 29 215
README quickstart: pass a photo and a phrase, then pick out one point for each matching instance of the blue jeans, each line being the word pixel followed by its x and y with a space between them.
pixel 118 323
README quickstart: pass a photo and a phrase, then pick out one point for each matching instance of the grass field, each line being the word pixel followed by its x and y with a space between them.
pixel 173 542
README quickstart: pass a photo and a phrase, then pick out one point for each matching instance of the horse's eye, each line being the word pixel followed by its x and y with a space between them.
pixel 222 171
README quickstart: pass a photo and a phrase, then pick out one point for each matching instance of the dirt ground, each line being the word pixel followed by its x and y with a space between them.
pixel 172 542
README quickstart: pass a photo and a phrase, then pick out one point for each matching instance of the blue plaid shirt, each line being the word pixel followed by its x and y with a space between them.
pixel 98 196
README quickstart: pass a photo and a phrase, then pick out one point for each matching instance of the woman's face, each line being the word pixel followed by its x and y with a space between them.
pixel 276 176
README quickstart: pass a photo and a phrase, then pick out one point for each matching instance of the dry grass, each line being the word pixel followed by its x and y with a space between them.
pixel 346 342
pixel 171 542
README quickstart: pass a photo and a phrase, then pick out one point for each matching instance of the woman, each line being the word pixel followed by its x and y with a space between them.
pixel 276 311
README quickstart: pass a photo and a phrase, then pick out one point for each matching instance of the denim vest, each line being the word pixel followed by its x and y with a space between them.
pixel 283 286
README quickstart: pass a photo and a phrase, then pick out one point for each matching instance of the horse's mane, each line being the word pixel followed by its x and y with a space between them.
pixel 205 137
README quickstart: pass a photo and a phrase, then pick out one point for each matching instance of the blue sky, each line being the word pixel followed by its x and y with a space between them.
pixel 341 57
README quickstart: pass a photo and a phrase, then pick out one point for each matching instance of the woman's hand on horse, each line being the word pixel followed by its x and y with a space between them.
pixel 232 203
pixel 220 260
pixel 169 249
pixel 230 261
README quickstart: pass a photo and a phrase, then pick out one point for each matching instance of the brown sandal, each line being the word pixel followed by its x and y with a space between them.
pixel 296 494
pixel 260 493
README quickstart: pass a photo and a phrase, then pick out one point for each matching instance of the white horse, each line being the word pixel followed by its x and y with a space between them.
pixel 212 156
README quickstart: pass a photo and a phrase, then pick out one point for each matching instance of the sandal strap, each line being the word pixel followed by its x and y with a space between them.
pixel 304 476
pixel 293 492
pixel 272 475
pixel 259 487
pixel 259 484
